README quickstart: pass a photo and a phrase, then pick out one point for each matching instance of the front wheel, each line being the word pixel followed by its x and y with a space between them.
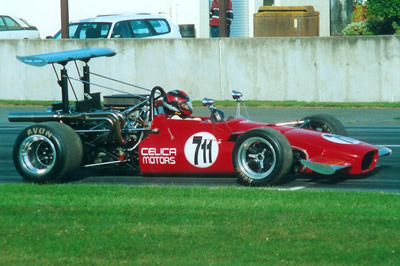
pixel 47 152
pixel 324 123
pixel 262 157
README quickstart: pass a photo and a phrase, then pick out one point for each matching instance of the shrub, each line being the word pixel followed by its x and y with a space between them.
pixel 358 13
pixel 370 27
pixel 396 27
pixel 357 28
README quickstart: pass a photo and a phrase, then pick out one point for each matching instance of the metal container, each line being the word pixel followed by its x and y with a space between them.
pixel 276 21
pixel 187 30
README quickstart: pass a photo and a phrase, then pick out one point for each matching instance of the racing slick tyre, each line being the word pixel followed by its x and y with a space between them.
pixel 325 123
pixel 47 152
pixel 261 157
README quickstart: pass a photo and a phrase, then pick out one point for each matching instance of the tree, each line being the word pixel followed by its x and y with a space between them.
pixel 382 18
pixel 384 9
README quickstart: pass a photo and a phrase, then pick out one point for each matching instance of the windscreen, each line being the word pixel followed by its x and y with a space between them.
pixel 87 30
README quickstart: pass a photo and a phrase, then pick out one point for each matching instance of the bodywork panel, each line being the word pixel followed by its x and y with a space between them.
pixel 201 147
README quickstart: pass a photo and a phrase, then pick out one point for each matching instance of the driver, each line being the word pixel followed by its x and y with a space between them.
pixel 177 105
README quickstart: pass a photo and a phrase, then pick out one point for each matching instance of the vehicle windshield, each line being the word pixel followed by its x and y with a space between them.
pixel 85 30
pixel 27 23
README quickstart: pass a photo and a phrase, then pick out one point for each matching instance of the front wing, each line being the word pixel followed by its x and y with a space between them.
pixel 326 166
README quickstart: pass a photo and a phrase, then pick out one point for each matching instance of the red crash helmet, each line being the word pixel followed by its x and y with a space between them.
pixel 178 102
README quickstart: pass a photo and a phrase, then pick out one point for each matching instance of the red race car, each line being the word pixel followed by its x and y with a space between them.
pixel 135 131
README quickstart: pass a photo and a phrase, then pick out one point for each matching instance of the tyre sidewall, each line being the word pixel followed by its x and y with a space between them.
pixel 53 132
pixel 279 144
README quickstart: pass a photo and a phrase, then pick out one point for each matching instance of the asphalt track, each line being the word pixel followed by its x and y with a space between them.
pixel 375 126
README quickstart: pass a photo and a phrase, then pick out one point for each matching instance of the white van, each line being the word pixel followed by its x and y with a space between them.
pixel 137 25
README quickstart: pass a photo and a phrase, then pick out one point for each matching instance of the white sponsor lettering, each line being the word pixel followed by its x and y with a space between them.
pixel 158 156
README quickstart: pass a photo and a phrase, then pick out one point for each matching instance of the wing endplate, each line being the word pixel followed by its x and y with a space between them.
pixel 384 151
pixel 325 167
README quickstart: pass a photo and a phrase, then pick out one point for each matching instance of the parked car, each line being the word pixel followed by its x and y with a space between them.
pixel 137 25
pixel 17 28
pixel 133 132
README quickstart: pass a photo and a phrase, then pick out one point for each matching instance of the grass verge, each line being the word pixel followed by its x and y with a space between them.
pixel 26 103
pixel 113 225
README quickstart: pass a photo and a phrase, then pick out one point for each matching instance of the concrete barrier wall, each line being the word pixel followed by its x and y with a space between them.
pixel 343 69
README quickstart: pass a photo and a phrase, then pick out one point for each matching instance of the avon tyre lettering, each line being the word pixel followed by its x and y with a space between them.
pixel 201 149
pixel 39 130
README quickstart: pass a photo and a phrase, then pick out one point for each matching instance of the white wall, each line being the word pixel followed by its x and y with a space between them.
pixel 244 11
pixel 343 69
pixel 254 6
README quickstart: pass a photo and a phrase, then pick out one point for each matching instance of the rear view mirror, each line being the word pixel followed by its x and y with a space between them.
pixel 237 95
pixel 208 102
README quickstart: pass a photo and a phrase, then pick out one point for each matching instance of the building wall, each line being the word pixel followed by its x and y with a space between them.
pixel 334 69
pixel 47 12
pixel 46 15
pixel 240 26
pixel 243 10
pixel 254 6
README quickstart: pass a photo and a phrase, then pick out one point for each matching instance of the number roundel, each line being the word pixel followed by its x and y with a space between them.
pixel 201 149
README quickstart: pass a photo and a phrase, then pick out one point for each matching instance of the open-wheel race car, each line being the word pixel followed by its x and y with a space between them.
pixel 132 131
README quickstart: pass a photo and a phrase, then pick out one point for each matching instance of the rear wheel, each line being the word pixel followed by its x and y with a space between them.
pixel 325 123
pixel 262 157
pixel 47 152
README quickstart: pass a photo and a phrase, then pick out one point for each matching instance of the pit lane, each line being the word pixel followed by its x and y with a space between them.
pixel 375 126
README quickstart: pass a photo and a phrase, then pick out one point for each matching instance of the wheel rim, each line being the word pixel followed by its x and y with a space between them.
pixel 37 154
pixel 257 157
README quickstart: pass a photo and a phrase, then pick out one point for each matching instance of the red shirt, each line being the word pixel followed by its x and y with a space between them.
pixel 214 13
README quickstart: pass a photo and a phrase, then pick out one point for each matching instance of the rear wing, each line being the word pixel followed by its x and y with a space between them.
pixel 64 57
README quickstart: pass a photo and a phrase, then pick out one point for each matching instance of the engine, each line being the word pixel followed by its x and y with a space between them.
pixel 111 136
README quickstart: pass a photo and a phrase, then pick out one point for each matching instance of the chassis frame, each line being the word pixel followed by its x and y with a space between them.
pixel 131 131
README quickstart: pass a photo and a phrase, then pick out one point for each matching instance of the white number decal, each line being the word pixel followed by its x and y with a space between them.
pixel 201 149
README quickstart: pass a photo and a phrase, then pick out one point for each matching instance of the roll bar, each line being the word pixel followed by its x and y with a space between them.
pixel 152 99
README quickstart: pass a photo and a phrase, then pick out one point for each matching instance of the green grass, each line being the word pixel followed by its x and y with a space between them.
pixel 114 225
pixel 26 103
pixel 249 103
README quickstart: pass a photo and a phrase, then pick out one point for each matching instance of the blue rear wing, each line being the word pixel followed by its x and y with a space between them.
pixel 64 57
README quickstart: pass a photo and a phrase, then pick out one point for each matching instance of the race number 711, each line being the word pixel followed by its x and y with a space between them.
pixel 201 149
pixel 198 140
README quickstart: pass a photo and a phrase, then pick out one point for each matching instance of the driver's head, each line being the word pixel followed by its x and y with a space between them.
pixel 177 102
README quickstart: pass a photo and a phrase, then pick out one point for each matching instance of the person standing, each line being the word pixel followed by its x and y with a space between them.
pixel 214 17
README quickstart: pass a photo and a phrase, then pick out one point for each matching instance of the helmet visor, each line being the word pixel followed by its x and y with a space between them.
pixel 187 106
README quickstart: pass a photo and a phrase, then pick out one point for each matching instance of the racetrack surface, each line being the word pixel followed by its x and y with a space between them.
pixel 375 126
